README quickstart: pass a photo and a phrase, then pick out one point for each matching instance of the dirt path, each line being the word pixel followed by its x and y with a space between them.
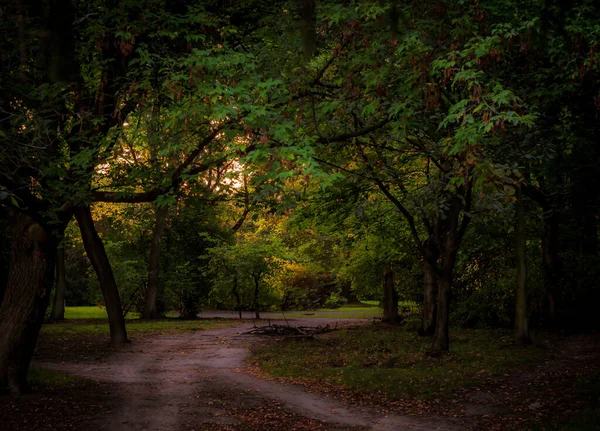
pixel 197 381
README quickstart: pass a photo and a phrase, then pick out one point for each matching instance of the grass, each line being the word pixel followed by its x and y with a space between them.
pixel 55 379
pixel 388 361
pixel 134 327
pixel 91 312
pixel 363 310
pixel 94 321
pixel 402 305
pixel 344 312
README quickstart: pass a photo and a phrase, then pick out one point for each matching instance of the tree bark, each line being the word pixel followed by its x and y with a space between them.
pixel 390 298
pixel 4 254
pixel 236 293
pixel 449 250
pixel 256 306
pixel 22 311
pixel 521 336
pixel 58 308
pixel 441 338
pixel 551 265
pixel 430 292
pixel 151 307
pixel 99 260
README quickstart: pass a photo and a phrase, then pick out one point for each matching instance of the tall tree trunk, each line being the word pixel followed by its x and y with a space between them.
pixel 390 297
pixel 551 265
pixel 236 293
pixel 4 255
pixel 99 260
pixel 256 305
pixel 22 311
pixel 521 336
pixel 451 242
pixel 430 291
pixel 151 308
pixel 441 337
pixel 58 308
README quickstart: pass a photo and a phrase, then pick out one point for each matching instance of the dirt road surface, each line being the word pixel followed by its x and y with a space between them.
pixel 198 381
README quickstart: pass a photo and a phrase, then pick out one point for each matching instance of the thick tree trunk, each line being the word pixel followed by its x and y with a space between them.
pixel 22 311
pixel 4 256
pixel 151 308
pixel 521 336
pixel 390 297
pixel 430 292
pixel 99 260
pixel 256 305
pixel 551 265
pixel 58 308
pixel 441 338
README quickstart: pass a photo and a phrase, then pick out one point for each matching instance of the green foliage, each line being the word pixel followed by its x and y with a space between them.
pixel 343 164
pixel 130 274
pixel 334 301
pixel 239 272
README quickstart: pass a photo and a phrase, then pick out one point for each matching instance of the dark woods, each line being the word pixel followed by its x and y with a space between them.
pixel 261 155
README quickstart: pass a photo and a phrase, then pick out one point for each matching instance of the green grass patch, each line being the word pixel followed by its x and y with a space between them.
pixel 337 313
pixel 371 303
pixel 367 304
pixel 55 379
pixel 402 305
pixel 91 312
pixel 392 362
pixel 135 327
pixel 364 310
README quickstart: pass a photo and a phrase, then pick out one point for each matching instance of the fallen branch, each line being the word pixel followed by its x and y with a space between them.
pixel 290 331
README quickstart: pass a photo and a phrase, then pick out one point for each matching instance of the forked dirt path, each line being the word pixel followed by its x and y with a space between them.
pixel 196 381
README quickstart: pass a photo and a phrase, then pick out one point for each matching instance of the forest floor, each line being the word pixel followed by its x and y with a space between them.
pixel 204 380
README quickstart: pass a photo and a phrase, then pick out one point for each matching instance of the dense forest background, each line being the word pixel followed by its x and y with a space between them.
pixel 165 157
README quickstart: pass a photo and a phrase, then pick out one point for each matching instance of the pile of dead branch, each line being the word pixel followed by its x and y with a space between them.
pixel 290 331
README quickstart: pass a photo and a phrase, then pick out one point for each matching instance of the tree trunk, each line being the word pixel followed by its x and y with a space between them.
pixel 521 336
pixel 256 306
pixel 237 294
pixel 348 293
pixel 441 338
pixel 58 308
pixel 451 242
pixel 551 265
pixel 4 256
pixel 22 311
pixel 430 291
pixel 151 308
pixel 99 260
pixel 390 298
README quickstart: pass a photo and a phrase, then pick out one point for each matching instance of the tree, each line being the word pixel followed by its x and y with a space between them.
pixel 25 300
pixel 58 306
pixel 521 325
pixel 64 119
pixel 241 271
